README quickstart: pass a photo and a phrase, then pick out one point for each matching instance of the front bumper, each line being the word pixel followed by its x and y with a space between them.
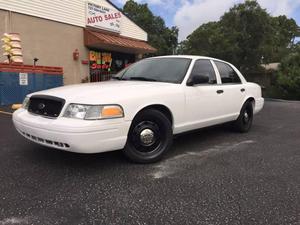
pixel 73 135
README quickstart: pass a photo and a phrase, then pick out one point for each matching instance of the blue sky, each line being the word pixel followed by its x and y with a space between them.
pixel 189 14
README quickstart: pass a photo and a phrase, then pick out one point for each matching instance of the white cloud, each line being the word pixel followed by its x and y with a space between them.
pixel 165 4
pixel 192 14
pixel 150 2
pixel 122 2
pixel 280 7
pixel 155 2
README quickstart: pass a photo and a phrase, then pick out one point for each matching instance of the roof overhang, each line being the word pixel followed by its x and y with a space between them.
pixel 115 42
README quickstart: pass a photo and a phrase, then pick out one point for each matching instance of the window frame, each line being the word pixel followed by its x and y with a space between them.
pixel 232 67
pixel 217 75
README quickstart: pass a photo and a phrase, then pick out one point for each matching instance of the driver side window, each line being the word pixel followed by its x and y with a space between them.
pixel 204 67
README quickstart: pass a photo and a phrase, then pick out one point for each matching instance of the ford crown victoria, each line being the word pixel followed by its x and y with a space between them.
pixel 141 108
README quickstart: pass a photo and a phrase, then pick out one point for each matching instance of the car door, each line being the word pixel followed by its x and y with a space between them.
pixel 233 89
pixel 204 102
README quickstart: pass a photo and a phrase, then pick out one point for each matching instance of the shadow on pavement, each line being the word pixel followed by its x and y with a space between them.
pixel 202 138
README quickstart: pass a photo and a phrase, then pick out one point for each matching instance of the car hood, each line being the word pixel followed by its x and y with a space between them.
pixel 108 91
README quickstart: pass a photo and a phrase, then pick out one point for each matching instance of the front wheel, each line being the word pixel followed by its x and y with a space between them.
pixel 244 121
pixel 149 137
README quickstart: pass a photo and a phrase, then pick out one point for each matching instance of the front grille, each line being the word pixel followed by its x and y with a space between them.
pixel 45 105
pixel 50 143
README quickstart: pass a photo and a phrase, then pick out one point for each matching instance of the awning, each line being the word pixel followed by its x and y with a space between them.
pixel 95 39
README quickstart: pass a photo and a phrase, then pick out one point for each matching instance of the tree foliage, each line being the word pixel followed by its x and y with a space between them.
pixel 284 33
pixel 246 35
pixel 164 39
pixel 289 75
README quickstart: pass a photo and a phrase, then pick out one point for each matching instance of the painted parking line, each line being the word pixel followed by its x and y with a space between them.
pixel 6 113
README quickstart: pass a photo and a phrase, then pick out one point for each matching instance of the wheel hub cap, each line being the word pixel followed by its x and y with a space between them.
pixel 147 137
pixel 246 117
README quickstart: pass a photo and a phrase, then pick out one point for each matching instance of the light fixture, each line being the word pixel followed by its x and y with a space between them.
pixel 35 61
pixel 76 54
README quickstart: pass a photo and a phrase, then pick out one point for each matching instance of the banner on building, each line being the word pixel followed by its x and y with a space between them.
pixel 12 47
pixel 98 16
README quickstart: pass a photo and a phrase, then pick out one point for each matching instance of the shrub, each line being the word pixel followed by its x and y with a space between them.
pixel 289 76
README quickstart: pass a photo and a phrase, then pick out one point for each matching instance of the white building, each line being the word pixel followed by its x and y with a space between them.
pixel 89 39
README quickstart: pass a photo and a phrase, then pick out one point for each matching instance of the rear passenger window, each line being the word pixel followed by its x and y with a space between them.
pixel 228 75
pixel 204 67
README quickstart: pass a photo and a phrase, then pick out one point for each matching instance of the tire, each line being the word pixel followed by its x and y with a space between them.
pixel 150 137
pixel 244 121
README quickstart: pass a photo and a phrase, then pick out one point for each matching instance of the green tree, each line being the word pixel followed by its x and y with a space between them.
pixel 206 40
pixel 164 39
pixel 284 33
pixel 289 76
pixel 246 36
pixel 248 29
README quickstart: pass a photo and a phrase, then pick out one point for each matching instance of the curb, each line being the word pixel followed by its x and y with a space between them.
pixel 9 109
pixel 281 100
pixel 5 113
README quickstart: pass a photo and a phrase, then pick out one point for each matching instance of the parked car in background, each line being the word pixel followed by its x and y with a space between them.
pixel 141 109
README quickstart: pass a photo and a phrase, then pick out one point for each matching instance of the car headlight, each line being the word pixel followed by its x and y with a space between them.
pixel 25 103
pixel 93 112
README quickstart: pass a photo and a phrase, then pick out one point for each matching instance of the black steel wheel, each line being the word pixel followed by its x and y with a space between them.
pixel 244 121
pixel 149 137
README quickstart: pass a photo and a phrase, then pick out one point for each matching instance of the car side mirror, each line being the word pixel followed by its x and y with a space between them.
pixel 197 79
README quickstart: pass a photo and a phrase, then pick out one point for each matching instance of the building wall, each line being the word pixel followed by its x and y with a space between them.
pixel 68 11
pixel 53 43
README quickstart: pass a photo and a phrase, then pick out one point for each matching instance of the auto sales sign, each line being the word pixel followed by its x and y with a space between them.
pixel 102 17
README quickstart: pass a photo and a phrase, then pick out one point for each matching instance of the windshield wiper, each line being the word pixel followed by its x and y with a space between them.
pixel 142 78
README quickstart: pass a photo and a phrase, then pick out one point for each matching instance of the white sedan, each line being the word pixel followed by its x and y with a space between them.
pixel 141 109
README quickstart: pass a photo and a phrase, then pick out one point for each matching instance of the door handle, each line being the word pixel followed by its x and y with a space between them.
pixel 220 91
pixel 243 89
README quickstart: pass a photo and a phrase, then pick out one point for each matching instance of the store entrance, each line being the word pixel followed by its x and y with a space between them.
pixel 103 64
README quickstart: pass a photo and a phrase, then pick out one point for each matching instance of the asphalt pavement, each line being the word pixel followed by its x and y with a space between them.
pixel 211 176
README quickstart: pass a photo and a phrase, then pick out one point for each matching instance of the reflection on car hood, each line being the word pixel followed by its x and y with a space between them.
pixel 108 91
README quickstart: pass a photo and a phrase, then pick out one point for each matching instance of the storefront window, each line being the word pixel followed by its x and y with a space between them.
pixel 104 64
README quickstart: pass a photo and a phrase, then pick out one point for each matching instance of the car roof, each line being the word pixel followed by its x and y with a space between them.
pixel 189 57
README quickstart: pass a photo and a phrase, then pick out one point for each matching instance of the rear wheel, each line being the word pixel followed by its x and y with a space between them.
pixel 244 121
pixel 149 137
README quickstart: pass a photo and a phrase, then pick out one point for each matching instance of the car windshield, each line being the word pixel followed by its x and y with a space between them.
pixel 171 70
